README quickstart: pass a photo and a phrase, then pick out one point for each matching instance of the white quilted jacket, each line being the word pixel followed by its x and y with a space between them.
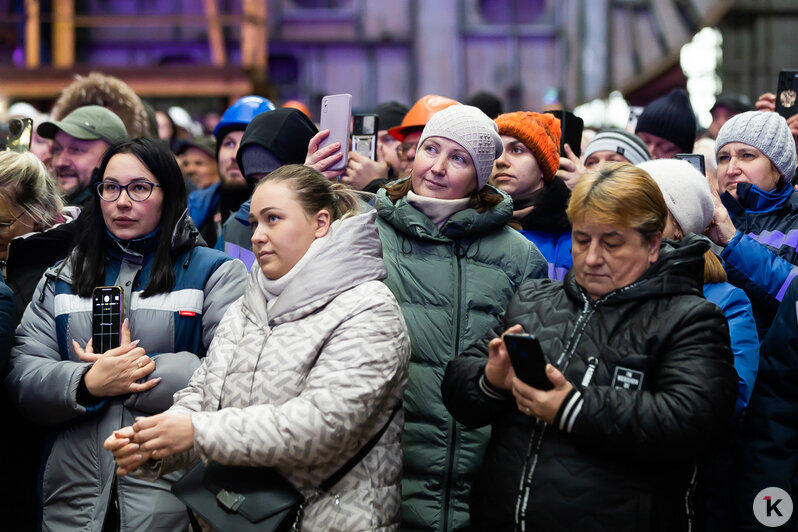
pixel 305 386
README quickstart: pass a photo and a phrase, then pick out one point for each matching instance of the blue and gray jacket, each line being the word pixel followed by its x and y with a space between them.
pixel 78 477
pixel 762 257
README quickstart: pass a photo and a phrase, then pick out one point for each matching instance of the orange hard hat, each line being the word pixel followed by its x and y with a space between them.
pixel 418 115
pixel 299 106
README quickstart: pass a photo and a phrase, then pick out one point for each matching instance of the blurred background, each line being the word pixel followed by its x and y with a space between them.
pixel 598 57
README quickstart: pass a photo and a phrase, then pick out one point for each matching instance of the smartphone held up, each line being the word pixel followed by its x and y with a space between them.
pixel 106 315
pixel 528 360
pixel 336 115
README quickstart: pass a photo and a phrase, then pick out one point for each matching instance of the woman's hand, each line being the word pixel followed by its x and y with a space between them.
pixel 544 405
pixel 571 168
pixel 164 434
pixel 360 171
pixel 499 370
pixel 128 455
pixel 721 230
pixel 116 371
pixel 322 159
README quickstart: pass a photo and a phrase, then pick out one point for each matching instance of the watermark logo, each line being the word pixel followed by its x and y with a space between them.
pixel 772 507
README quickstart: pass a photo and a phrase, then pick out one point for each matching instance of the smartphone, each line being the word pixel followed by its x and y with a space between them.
pixel 364 134
pixel 336 114
pixel 571 128
pixel 19 134
pixel 786 93
pixel 528 360
pixel 695 159
pixel 106 318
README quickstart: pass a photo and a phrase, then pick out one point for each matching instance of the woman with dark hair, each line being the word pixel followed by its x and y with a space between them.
pixel 137 236
pixel 453 264
pixel 305 369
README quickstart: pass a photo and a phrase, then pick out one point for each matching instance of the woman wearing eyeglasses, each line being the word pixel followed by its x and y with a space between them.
pixel 135 235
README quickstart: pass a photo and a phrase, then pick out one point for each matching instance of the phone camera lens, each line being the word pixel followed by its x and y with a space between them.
pixel 106 298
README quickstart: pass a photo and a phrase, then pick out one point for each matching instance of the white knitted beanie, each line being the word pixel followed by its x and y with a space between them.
pixel 686 192
pixel 767 132
pixel 473 130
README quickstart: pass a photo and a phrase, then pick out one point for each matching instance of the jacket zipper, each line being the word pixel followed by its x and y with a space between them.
pixel 452 436
pixel 540 427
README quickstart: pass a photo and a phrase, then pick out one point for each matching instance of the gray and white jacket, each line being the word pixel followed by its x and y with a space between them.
pixel 302 386
pixel 78 479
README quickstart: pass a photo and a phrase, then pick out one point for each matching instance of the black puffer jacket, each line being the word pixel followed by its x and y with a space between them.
pixel 654 381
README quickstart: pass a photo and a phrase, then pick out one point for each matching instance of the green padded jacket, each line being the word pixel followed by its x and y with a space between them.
pixel 452 284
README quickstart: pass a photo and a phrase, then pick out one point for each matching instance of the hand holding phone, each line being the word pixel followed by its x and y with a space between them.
pixel 106 318
pixel 528 360
pixel 364 134
pixel 696 160
pixel 336 114
pixel 787 93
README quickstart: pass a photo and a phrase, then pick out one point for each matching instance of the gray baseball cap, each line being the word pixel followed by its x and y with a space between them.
pixel 90 122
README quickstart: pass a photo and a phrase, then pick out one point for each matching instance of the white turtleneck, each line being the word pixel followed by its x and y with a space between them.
pixel 437 210
pixel 272 288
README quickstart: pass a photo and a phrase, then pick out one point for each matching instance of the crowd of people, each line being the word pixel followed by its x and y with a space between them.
pixel 350 324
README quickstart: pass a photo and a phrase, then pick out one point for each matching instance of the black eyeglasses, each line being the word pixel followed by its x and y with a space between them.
pixel 5 227
pixel 137 190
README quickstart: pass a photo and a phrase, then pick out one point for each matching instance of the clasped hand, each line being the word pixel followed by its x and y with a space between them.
pixel 154 437
pixel 116 371
pixel 543 404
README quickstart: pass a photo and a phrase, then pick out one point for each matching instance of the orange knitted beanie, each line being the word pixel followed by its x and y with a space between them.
pixel 540 132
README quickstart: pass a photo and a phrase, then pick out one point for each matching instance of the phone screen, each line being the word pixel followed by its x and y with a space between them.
pixel 106 318
pixel 364 135
pixel 787 93
pixel 336 115
pixel 528 360
pixel 695 159
pixel 19 134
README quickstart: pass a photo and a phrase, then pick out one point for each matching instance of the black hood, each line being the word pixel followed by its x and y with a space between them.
pixel 679 270
pixel 285 132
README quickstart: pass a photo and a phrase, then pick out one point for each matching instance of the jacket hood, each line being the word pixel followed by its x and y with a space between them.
pixel 467 223
pixel 350 254
pixel 679 270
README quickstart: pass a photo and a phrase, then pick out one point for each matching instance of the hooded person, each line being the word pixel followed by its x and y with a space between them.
pixel 271 140
pixel 526 171
pixel 668 125
pixel 211 207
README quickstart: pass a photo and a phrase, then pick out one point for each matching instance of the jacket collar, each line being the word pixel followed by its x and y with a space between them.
pixel 467 223
pixel 678 270
pixel 755 200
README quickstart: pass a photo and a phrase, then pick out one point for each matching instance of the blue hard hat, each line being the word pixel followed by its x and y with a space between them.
pixel 241 113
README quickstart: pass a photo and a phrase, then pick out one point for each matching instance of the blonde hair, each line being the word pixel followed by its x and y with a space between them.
pixel 24 181
pixel 315 192
pixel 620 194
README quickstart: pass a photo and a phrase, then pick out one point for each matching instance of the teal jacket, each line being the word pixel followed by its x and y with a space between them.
pixel 452 284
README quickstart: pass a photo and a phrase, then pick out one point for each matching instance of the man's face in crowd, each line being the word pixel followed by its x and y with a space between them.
pixel 658 147
pixel 386 149
pixel 200 168
pixel 74 160
pixel 720 115
pixel 228 166
pixel 408 153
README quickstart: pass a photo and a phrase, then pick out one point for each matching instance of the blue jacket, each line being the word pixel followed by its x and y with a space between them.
pixel 769 440
pixel 202 206
pixel 744 338
pixel 235 237
pixel 175 329
pixel 556 249
pixel 761 257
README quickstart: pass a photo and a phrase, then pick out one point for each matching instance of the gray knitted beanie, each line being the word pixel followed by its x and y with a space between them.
pixel 767 132
pixel 473 130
